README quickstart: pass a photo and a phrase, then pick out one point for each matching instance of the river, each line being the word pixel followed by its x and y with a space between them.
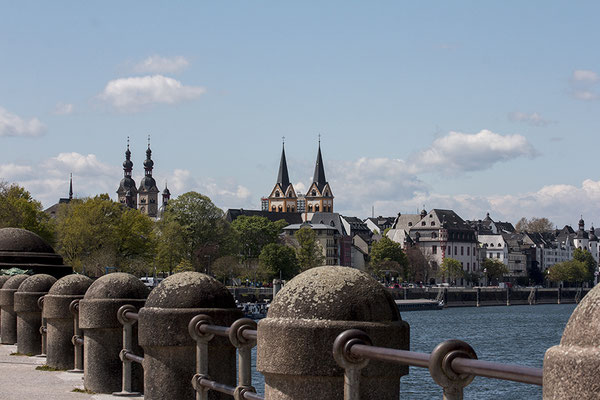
pixel 516 335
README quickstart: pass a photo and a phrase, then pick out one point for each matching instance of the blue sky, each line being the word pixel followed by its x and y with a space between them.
pixel 475 106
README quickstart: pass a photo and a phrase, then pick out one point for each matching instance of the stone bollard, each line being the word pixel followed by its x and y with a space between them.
pixel 169 350
pixel 102 331
pixel 571 368
pixel 295 341
pixel 3 279
pixel 7 302
pixel 29 314
pixel 59 319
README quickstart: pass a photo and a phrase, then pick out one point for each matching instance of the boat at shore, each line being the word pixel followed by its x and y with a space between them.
pixel 419 305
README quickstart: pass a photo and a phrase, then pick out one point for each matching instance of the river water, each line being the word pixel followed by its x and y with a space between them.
pixel 516 335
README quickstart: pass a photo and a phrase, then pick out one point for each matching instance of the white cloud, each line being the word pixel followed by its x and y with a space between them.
pixel 13 125
pixel 534 119
pixel 585 95
pixel 459 152
pixel 161 65
pixel 63 109
pixel 131 94
pixel 584 75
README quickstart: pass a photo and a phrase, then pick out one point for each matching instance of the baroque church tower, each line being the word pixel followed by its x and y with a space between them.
pixel 283 197
pixel 148 192
pixel 127 191
pixel 319 197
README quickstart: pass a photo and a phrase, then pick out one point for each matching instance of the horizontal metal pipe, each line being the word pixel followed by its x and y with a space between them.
pixel 215 330
pixel 131 315
pixel 134 358
pixel 249 334
pixel 509 372
pixel 393 355
pixel 219 387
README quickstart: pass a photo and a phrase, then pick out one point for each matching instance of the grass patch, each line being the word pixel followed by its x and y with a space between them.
pixel 16 353
pixel 47 368
pixel 86 391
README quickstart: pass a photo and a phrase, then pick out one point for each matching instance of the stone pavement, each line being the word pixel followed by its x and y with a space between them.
pixel 19 380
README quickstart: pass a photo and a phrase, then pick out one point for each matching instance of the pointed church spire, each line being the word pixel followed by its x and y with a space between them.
pixel 319 175
pixel 71 187
pixel 127 164
pixel 148 164
pixel 283 177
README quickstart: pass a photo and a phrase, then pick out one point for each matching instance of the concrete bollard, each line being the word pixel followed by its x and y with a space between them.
pixel 3 279
pixel 29 314
pixel 8 334
pixel 571 368
pixel 103 332
pixel 295 341
pixel 59 319
pixel 169 350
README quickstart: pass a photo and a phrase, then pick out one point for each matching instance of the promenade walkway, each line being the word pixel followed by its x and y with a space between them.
pixel 19 380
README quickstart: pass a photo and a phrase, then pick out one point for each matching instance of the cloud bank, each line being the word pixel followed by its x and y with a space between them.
pixel 13 125
pixel 161 65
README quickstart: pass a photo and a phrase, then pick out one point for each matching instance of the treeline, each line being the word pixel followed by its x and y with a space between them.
pixel 192 234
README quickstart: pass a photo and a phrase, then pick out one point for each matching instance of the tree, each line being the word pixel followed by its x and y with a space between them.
pixel 572 271
pixel 587 259
pixel 419 264
pixel 225 268
pixel 309 252
pixel 253 233
pixel 278 260
pixel 97 232
pixel 494 269
pixel 205 231
pixel 387 254
pixel 535 224
pixel 451 269
pixel 19 210
pixel 170 243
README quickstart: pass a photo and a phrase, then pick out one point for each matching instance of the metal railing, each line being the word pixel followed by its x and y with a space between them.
pixel 43 328
pixel 77 339
pixel 453 364
pixel 242 335
pixel 127 316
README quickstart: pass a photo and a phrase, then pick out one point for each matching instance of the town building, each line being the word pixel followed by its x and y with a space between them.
pixel 379 224
pixel 283 196
pixel 319 196
pixel 148 191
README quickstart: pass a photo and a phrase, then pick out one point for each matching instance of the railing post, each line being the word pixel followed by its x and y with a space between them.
pixel 43 328
pixel 127 348
pixel 441 370
pixel 202 340
pixel 352 365
pixel 7 302
pixel 571 368
pixel 244 347
pixel 77 348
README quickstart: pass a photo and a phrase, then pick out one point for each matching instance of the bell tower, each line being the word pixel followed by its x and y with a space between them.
pixel 283 197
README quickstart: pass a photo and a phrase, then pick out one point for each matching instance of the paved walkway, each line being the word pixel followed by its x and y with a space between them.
pixel 19 380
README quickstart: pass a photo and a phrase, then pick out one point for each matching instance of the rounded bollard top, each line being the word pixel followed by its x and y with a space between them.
pixel 190 290
pixel 583 328
pixel 334 293
pixel 3 279
pixel 74 285
pixel 22 240
pixel 117 285
pixel 36 284
pixel 14 281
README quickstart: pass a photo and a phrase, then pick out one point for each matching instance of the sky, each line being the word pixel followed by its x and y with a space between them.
pixel 465 105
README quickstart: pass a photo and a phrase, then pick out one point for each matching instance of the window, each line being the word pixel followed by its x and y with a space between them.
pixel 288 208
pixel 434 249
pixel 468 251
pixel 410 224
pixel 449 250
pixel 280 208
pixel 310 208
pixel 467 267
pixel 462 250
pixel 497 255
pixel 455 250
pixel 491 244
pixel 423 224
pixel 433 235
pixel 314 192
pixel 277 193
pixel 432 223
pixel 273 208
pixel 316 208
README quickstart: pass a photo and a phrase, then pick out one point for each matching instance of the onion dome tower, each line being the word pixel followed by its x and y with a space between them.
pixel 319 197
pixel 148 192
pixel 283 197
pixel 127 191
pixel 166 196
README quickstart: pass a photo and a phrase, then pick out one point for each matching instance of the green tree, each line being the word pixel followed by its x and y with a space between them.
pixel 493 269
pixel 572 271
pixel 253 233
pixel 587 259
pixel 206 234
pixel 309 252
pixel 278 260
pixel 170 243
pixel 226 267
pixel 19 210
pixel 388 255
pixel 451 269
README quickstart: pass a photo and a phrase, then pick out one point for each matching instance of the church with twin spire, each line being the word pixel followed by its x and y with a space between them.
pixel 144 197
pixel 283 197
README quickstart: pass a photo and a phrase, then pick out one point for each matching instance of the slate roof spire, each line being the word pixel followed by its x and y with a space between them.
pixel 283 177
pixel 71 187
pixel 319 175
